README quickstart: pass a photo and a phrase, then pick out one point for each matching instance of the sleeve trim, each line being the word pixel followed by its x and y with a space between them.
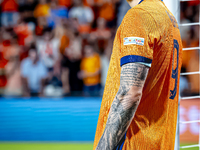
pixel 135 58
pixel 146 64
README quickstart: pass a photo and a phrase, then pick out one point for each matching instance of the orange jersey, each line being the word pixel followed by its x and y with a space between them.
pixel 149 34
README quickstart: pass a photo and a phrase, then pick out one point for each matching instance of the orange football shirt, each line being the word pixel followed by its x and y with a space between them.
pixel 149 34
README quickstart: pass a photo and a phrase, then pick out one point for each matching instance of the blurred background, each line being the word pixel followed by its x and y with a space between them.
pixel 54 58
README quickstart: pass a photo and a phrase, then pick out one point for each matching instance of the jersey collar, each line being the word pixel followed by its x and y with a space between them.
pixel 143 0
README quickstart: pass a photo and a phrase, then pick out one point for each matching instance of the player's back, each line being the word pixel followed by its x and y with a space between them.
pixel 158 39
pixel 154 124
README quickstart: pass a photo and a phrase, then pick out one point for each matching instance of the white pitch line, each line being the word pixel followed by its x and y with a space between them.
pixel 185 0
pixel 189 24
pixel 189 98
pixel 189 122
pixel 189 146
pixel 189 73
pixel 191 48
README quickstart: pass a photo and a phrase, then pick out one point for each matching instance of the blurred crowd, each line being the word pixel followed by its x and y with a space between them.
pixel 63 47
pixel 56 47
pixel 189 84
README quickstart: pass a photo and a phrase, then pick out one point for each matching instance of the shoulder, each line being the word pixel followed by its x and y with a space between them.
pixel 138 15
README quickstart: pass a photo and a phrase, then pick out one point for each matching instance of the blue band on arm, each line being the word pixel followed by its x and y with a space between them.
pixel 133 59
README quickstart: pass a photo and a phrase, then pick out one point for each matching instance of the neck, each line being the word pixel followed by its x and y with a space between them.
pixel 133 3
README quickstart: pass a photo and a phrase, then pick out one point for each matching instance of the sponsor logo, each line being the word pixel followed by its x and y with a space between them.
pixel 134 40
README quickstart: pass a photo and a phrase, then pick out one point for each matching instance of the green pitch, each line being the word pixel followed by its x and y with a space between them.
pixel 45 146
pixel 194 148
pixel 54 146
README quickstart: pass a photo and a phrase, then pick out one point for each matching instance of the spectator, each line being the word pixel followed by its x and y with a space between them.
pixel 27 10
pixel 41 13
pixel 4 58
pixel 107 11
pixel 3 61
pixel 41 25
pixel 66 3
pixel 12 69
pixel 56 13
pixel 10 13
pixel 101 34
pixel 24 33
pixel 34 74
pixel 3 79
pixel 70 68
pixel 42 9
pixel 48 48
pixel 90 71
pixel 83 14
pixel 65 39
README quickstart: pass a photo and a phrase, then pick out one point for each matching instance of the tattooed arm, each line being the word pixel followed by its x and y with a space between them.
pixel 124 106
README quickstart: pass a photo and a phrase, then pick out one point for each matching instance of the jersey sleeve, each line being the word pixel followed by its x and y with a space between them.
pixel 138 33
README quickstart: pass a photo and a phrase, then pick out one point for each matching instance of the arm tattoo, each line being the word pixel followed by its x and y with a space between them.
pixel 124 105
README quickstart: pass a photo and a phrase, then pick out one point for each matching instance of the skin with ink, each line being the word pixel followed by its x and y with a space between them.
pixel 124 106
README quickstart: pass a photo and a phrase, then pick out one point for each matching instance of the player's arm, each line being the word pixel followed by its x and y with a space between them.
pixel 124 106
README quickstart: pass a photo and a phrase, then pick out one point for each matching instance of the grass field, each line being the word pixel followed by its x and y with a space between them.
pixel 195 148
pixel 45 146
pixel 54 146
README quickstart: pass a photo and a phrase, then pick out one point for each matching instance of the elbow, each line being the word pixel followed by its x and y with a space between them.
pixel 135 95
pixel 131 99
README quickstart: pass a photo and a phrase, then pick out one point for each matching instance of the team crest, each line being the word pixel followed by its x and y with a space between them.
pixel 134 40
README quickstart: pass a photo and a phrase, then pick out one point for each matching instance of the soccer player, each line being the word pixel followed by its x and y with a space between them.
pixel 140 102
